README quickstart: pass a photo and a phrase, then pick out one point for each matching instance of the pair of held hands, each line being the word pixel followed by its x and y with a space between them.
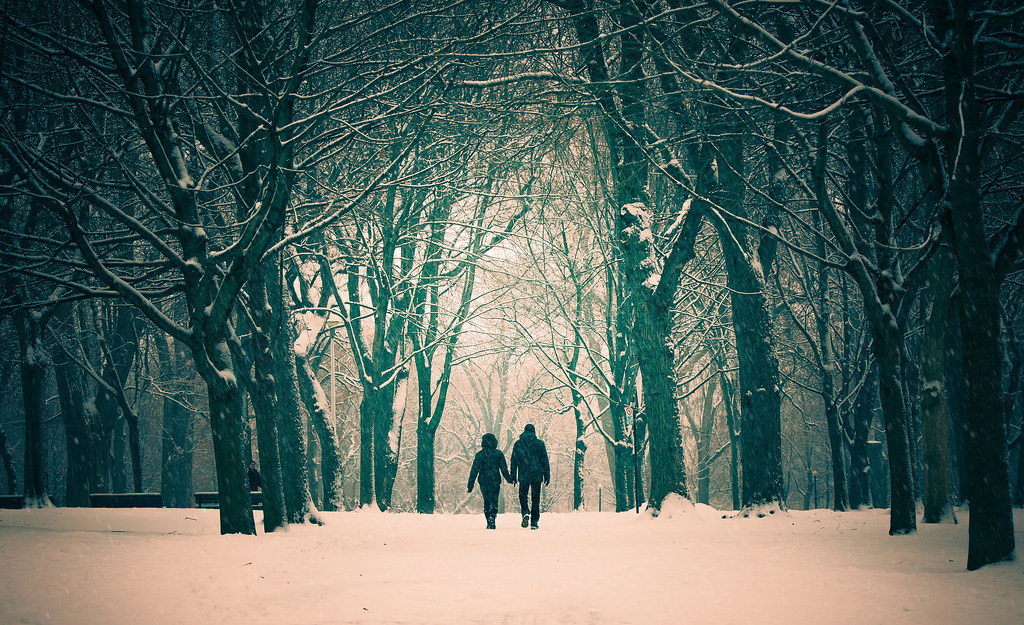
pixel 512 481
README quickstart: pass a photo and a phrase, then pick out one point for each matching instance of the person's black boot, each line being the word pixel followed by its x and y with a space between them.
pixel 526 520
pixel 490 522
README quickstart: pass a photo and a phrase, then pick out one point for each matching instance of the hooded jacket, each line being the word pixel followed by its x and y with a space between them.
pixel 530 458
pixel 489 465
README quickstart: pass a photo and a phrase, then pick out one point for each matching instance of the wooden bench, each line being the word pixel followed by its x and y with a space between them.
pixel 125 500
pixel 12 502
pixel 212 499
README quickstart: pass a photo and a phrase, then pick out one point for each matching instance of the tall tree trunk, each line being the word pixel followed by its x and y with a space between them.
pixel 955 406
pixel 424 337
pixel 862 415
pixel 30 328
pixel 652 300
pixel 99 430
pixel 880 305
pixel 579 454
pixel 1012 398
pixel 8 463
pixel 425 485
pixel 828 394
pixel 366 418
pixel 761 439
pixel 759 383
pixel 990 532
pixel 934 422
pixel 291 424
pixel 704 458
pixel 78 474
pixel 312 457
pixel 178 438
pixel 732 423
pixel 610 447
pixel 1018 497
pixel 226 428
pixel 386 439
pixel 621 387
pixel 323 421
pixel 903 515
pixel 655 354
pixel 265 400
pixel 366 425
pixel 119 344
pixel 621 463
pixel 115 453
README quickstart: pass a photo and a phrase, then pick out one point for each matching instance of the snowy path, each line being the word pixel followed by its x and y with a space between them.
pixel 154 567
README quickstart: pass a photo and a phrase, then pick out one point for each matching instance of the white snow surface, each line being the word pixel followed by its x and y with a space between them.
pixel 82 566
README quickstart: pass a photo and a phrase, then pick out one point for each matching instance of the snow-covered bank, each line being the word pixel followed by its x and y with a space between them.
pixel 152 567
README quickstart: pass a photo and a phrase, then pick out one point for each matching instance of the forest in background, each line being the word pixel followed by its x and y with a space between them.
pixel 773 247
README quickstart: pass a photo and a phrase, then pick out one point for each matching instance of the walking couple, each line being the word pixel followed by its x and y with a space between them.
pixel 529 468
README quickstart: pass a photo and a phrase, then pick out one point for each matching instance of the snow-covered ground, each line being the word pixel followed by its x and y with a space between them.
pixel 152 567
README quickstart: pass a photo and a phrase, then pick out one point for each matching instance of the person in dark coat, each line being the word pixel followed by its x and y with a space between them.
pixel 489 467
pixel 255 481
pixel 529 467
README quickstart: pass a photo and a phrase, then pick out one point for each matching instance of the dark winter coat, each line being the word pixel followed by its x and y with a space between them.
pixel 255 481
pixel 489 465
pixel 530 459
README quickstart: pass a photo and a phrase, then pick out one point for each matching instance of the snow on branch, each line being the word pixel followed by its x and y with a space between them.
pixel 523 77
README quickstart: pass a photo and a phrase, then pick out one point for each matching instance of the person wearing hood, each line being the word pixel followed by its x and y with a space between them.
pixel 489 467
pixel 529 467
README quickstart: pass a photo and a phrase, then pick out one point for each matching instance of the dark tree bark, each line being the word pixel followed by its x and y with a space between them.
pixel 579 453
pixel 424 333
pixel 225 403
pixel 354 326
pixel 702 434
pixel 79 472
pixel 291 422
pixel 1012 399
pixel 620 392
pixel 425 465
pixel 119 343
pixel 618 452
pixel 263 392
pixel 903 517
pixel 379 372
pixel 732 422
pixel 955 404
pixel 177 426
pixel 880 304
pixel 30 327
pixel 379 404
pixel 934 420
pixel 623 105
pixel 8 464
pixel 323 424
pixel 991 537
pixel 1018 497
pixel 840 501
pixel 863 414
pixel 759 383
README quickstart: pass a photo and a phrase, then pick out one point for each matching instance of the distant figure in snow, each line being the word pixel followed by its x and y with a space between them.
pixel 489 466
pixel 255 481
pixel 529 467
